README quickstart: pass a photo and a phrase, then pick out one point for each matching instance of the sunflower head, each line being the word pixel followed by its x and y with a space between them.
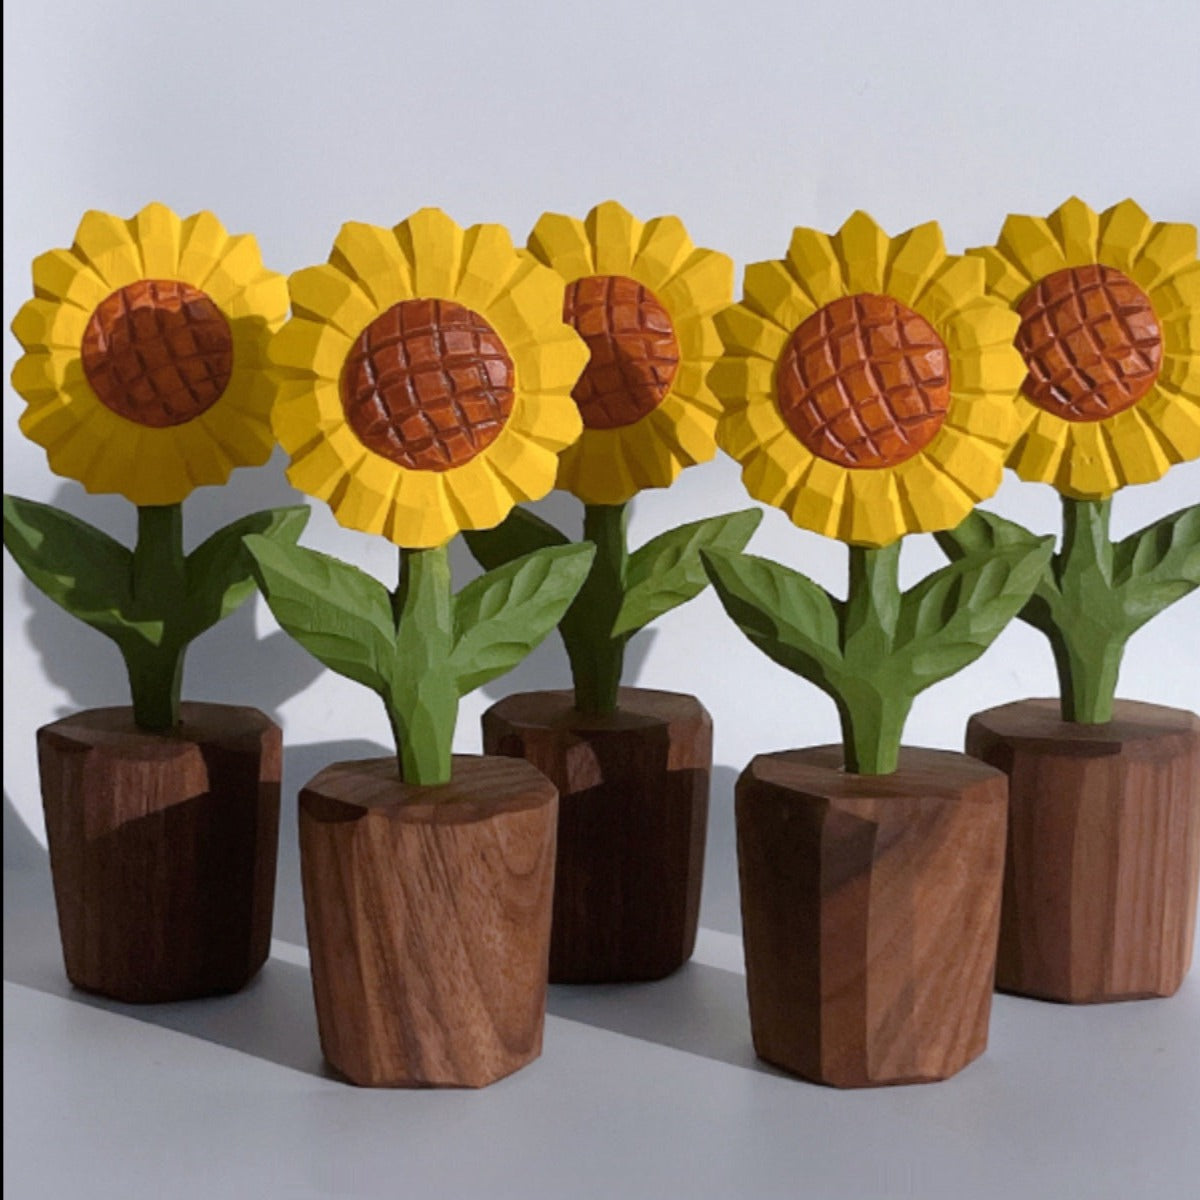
pixel 145 345
pixel 424 380
pixel 1109 309
pixel 643 298
pixel 867 383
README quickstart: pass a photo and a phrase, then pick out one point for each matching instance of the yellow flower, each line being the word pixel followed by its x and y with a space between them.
pixel 643 298
pixel 424 379
pixel 144 353
pixel 868 383
pixel 1110 333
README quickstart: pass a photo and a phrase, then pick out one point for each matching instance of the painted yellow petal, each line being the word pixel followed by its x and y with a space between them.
pixel 1138 454
pixel 550 420
pixel 614 233
pixel 982 322
pixel 1177 421
pixel 702 285
pixel 477 498
pixel 976 465
pixel 106 244
pixel 320 469
pixel 36 376
pixel 553 363
pixel 59 275
pixel 1124 229
pixel 652 460
pixel 1031 244
pixel 421 516
pixel 488 261
pixel 432 243
pixel 745 332
pixel 595 469
pixel 1167 251
pixel 664 248
pixel 772 292
pixel 698 338
pixel 931 499
pixel 913 257
pixel 772 473
pixel 202 243
pixel 820 493
pixel 1180 292
pixel 531 302
pixel 310 348
pixel 862 248
pixel 324 293
pixel 260 307
pixel 687 427
pixel 1038 452
pixel 1180 372
pixel 562 242
pixel 46 323
pixel 991 369
pixel 1088 470
pixel 954 286
pixel 1077 229
pixel 527 469
pixel 1181 332
pixel 871 513
pixel 1004 278
pixel 812 263
pixel 372 256
pixel 365 503
pixel 991 416
pixel 158 231
pixel 240 263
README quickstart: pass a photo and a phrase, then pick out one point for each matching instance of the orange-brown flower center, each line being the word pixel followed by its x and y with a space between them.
pixel 428 384
pixel 864 382
pixel 1091 342
pixel 158 352
pixel 633 347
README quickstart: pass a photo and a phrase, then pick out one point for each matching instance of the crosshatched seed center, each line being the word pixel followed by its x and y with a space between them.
pixel 864 382
pixel 634 353
pixel 158 352
pixel 1091 343
pixel 428 384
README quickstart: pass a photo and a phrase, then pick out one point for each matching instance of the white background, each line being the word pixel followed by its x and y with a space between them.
pixel 744 118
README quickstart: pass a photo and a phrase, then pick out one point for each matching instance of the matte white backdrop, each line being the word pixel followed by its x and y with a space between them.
pixel 744 118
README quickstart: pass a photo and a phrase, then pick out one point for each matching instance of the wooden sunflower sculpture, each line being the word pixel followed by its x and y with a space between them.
pixel 144 375
pixel 867 384
pixel 1108 307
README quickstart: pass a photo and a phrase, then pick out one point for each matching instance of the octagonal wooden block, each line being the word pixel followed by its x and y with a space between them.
pixel 633 813
pixel 428 913
pixel 1103 863
pixel 162 848
pixel 870 907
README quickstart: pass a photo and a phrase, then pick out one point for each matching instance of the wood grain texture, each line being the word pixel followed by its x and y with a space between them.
pixel 1103 849
pixel 870 906
pixel 633 812
pixel 162 848
pixel 428 913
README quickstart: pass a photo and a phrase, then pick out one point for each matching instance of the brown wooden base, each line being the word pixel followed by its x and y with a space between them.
pixel 428 912
pixel 869 910
pixel 162 848
pixel 633 812
pixel 1103 849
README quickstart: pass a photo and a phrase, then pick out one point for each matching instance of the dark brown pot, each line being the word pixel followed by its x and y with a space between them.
pixel 633 812
pixel 162 849
pixel 1103 849
pixel 870 907
pixel 428 912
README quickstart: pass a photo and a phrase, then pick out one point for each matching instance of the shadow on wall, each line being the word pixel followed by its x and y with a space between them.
pixel 228 664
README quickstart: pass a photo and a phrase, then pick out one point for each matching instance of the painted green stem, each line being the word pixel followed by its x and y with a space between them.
pixel 872 713
pixel 159 587
pixel 597 658
pixel 1087 652
pixel 423 699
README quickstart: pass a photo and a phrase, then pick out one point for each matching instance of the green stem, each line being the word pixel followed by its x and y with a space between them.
pixel 872 712
pixel 159 584
pixel 597 658
pixel 1087 652
pixel 423 700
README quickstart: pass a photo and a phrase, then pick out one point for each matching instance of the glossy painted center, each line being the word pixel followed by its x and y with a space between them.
pixel 428 384
pixel 634 354
pixel 864 382
pixel 158 352
pixel 1091 342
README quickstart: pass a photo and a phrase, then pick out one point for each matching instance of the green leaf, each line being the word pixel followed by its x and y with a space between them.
pixel 220 572
pixel 788 617
pixel 667 570
pixel 338 613
pixel 520 533
pixel 77 566
pixel 1158 565
pixel 501 616
pixel 953 615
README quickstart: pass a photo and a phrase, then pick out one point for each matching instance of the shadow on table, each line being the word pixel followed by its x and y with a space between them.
pixel 700 1009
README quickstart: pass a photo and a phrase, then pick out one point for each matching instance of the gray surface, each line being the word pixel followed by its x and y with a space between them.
pixel 643 1091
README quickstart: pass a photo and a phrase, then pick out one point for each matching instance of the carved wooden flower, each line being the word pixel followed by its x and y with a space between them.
pixel 145 348
pixel 424 380
pixel 868 383
pixel 1109 306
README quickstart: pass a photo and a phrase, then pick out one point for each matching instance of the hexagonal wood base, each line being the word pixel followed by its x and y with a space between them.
pixel 633 812
pixel 1103 849
pixel 428 912
pixel 162 848
pixel 870 907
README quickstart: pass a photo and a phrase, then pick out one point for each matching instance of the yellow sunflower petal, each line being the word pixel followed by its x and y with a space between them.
pixel 977 466
pixel 42 324
pixel 595 468
pixel 372 257
pixel 1089 470
pixel 487 263
pixel 814 266
pixel 772 292
pixel 771 473
pixel 702 285
pixel 38 375
pixel 310 348
pixel 1077 229
pixel 743 331
pixel 320 467
pixel 614 233
pixel 956 284
pixel 687 427
pixel 1124 230
pixel 1030 243
pixel 862 248
pixel 1181 332
pixel 1179 293
pixel 60 275
pixel 551 421
pixel 562 242
pixel 870 517
pixel 931 497
pixel 421 515
pixel 477 497
pixel 240 262
pixel 1004 278
pixel 323 293
pixel 526 468
pixel 1177 421
pixel 202 243
pixel 1138 454
pixel 552 364
pixel 365 501
pixel 432 243
pixel 1169 248
pixel 913 257
pixel 158 232
pixel 664 248
pixel 106 244
pixel 820 493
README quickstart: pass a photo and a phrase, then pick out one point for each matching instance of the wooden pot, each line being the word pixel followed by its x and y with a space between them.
pixel 633 812
pixel 870 907
pixel 428 913
pixel 162 849
pixel 1103 849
